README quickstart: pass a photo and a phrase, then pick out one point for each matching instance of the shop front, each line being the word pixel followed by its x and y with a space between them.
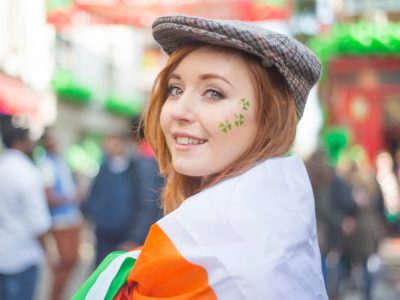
pixel 360 88
pixel 365 98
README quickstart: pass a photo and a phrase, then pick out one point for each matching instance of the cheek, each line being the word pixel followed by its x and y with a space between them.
pixel 165 124
pixel 164 118
pixel 233 122
pixel 241 136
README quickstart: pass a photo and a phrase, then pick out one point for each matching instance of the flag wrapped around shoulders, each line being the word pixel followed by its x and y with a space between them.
pixel 249 237
pixel 109 277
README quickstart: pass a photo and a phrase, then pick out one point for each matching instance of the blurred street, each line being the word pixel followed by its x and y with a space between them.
pixel 72 100
pixel 388 278
pixel 81 272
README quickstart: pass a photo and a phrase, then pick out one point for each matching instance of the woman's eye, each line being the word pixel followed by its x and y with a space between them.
pixel 175 90
pixel 213 94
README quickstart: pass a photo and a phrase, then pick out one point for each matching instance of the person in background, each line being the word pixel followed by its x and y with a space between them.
pixel 361 246
pixel 148 186
pixel 123 200
pixel 24 217
pixel 396 161
pixel 63 202
pixel 112 201
pixel 335 211
pixel 390 187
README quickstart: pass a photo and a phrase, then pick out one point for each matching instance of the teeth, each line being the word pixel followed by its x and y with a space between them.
pixel 188 141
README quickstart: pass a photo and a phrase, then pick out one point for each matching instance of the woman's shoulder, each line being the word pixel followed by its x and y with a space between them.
pixel 273 195
pixel 252 226
pixel 279 184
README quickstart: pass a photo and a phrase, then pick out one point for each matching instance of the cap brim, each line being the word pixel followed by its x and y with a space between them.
pixel 173 35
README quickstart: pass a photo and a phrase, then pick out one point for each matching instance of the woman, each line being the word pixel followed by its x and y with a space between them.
pixel 63 201
pixel 239 216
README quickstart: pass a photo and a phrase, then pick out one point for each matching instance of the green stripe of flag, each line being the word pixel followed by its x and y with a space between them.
pixel 87 285
pixel 121 277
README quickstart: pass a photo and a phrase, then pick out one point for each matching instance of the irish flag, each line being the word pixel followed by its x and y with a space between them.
pixel 249 237
pixel 109 277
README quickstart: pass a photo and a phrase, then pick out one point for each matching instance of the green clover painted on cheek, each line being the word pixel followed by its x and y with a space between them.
pixel 245 103
pixel 239 119
pixel 225 127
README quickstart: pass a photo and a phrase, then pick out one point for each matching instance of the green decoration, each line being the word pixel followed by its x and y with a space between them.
pixel 125 107
pixel 245 103
pixel 85 157
pixel 274 3
pixel 59 5
pixel 68 89
pixel 336 140
pixel 225 127
pixel 392 218
pixel 239 119
pixel 38 154
pixel 358 39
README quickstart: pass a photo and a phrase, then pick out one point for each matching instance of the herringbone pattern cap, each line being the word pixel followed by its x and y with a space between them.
pixel 297 64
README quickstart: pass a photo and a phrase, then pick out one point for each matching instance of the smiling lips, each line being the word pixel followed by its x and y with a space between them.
pixel 185 139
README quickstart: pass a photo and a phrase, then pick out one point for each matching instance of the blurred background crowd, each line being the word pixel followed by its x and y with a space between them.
pixel 77 179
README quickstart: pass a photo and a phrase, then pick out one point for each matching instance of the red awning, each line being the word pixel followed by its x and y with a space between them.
pixel 16 98
pixel 73 15
pixel 142 12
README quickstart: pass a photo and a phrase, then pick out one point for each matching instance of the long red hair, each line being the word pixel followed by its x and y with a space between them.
pixel 276 116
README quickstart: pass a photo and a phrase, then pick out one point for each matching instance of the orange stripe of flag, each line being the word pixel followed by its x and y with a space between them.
pixel 162 272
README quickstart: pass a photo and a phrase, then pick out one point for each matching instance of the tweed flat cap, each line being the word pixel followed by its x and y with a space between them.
pixel 297 64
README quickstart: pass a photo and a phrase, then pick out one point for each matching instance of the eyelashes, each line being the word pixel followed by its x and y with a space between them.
pixel 174 90
pixel 210 93
pixel 213 94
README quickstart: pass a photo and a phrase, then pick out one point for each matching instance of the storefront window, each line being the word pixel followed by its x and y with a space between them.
pixel 348 78
pixel 391 111
pixel 389 76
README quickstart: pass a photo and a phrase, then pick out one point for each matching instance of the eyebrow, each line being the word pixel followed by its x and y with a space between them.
pixel 214 76
pixel 203 77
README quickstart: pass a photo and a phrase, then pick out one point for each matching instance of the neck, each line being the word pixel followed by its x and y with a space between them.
pixel 22 149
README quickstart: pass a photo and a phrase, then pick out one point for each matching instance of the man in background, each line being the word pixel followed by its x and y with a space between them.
pixel 24 217
pixel 112 201
pixel 124 198
pixel 150 184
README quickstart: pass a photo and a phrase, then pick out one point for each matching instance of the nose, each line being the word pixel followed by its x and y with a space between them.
pixel 184 108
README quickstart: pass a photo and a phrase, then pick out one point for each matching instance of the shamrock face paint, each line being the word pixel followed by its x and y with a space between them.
pixel 225 127
pixel 239 117
pixel 205 123
pixel 245 104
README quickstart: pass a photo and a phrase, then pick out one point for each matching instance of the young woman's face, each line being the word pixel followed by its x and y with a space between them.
pixel 209 117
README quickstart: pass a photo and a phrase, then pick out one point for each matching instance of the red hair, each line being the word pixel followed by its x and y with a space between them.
pixel 276 117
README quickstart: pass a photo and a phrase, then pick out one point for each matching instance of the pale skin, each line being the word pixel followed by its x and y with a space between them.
pixel 204 91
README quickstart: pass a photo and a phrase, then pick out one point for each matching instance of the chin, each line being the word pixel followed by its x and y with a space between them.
pixel 191 173
pixel 194 173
